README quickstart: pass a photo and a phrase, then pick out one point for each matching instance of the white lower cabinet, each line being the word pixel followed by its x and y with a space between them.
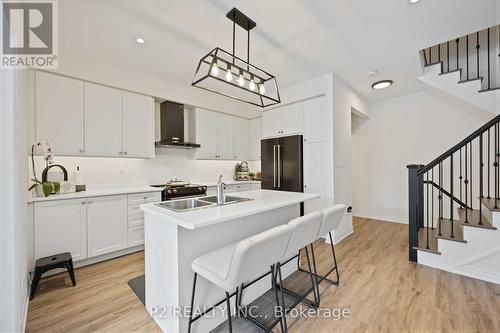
pixel 61 226
pixel 136 235
pixel 90 227
pixel 107 224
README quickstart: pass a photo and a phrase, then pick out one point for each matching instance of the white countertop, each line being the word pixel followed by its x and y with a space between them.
pixel 99 191
pixel 263 200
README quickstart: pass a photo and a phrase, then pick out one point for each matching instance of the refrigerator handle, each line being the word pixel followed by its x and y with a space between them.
pixel 279 166
pixel 274 166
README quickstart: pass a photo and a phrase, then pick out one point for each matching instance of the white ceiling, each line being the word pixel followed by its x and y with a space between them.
pixel 294 39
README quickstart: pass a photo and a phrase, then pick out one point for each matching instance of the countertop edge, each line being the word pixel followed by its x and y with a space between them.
pixel 151 208
pixel 95 193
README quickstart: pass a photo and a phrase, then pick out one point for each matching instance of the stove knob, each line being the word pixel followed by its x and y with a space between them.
pixel 175 191
pixel 200 188
pixel 169 191
pixel 204 188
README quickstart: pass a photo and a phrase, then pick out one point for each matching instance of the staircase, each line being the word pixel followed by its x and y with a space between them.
pixel 466 69
pixel 454 207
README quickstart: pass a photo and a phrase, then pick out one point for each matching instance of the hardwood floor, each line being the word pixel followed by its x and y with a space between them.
pixel 383 291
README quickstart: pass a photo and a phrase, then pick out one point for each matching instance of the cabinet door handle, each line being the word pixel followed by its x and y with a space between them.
pixel 279 166
pixel 83 202
pixel 145 198
pixel 125 153
pixel 274 166
pixel 120 152
pixel 81 151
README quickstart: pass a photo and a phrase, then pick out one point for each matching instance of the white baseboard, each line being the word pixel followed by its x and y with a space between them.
pixel 382 219
pixel 342 236
pixel 476 273
pixel 25 319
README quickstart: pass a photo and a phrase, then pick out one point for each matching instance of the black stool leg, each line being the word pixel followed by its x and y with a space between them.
pixel 192 303
pixel 71 271
pixel 336 268
pixel 314 277
pixel 275 288
pixel 34 283
pixel 282 299
pixel 229 319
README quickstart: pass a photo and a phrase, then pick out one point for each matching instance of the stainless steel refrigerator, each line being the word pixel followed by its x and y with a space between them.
pixel 281 164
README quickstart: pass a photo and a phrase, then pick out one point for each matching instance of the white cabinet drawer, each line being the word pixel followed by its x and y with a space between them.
pixel 140 198
pixel 135 221
pixel 135 236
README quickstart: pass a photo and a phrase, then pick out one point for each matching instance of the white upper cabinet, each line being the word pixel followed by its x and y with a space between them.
pixel 254 137
pixel 205 134
pixel 240 138
pixel 315 120
pixel 107 224
pixel 103 121
pixel 80 118
pixel 61 226
pixel 282 121
pixel 221 136
pixel 59 113
pixel 224 136
pixel 138 125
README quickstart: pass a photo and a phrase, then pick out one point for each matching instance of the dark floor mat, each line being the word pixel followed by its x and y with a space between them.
pixel 138 286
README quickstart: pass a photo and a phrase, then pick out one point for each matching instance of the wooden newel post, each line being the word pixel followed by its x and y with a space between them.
pixel 415 208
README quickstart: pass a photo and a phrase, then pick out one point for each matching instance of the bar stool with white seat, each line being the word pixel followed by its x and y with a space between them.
pixel 235 264
pixel 332 217
pixel 304 231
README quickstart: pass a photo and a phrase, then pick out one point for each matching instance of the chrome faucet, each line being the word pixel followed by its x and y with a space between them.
pixel 220 191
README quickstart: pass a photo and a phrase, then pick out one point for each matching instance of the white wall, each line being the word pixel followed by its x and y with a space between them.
pixel 405 130
pixel 167 164
pixel 345 102
pixel 13 207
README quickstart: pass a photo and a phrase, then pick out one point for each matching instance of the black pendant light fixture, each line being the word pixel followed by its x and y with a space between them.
pixel 225 74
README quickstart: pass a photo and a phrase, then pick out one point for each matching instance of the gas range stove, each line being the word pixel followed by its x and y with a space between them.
pixel 171 192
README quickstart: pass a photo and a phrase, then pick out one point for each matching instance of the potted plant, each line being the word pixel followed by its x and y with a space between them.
pixel 48 187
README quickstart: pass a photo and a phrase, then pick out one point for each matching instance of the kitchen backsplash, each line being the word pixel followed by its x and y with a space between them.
pixel 168 163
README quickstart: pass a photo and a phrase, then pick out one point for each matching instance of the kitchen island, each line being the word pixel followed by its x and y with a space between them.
pixel 173 239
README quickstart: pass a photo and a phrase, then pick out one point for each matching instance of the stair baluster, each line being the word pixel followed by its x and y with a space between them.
pixel 466 182
pixel 480 178
pixel 489 153
pixel 448 56
pixel 496 165
pixel 489 51
pixel 451 196
pixel 432 199
pixel 477 52
pixel 460 177
pixel 458 51
pixel 467 54
pixel 440 198
pixel 427 207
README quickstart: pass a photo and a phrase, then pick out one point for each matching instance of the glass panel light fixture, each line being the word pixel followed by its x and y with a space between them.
pixel 239 78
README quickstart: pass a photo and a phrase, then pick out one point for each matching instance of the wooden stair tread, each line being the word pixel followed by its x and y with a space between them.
pixel 446 231
pixel 473 219
pixel 422 241
pixel 488 89
pixel 471 80
pixel 490 204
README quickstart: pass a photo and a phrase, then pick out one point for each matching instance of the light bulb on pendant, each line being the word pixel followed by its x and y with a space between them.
pixel 241 80
pixel 251 86
pixel 229 75
pixel 214 70
pixel 262 89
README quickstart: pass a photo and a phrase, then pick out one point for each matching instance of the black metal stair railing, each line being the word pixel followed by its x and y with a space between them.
pixel 463 181
pixel 475 56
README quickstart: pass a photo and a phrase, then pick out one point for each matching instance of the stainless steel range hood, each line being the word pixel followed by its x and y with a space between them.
pixel 172 127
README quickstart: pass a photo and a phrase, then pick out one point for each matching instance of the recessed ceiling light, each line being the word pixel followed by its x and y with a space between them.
pixel 139 40
pixel 382 84
pixel 414 1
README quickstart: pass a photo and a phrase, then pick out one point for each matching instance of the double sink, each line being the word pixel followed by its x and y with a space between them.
pixel 197 203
